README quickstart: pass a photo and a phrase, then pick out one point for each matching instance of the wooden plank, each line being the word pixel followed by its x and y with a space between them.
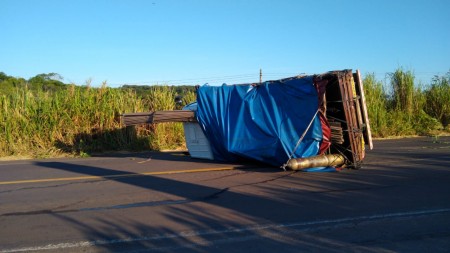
pixel 345 105
pixel 358 126
pixel 357 104
pixel 367 131
pixel 358 155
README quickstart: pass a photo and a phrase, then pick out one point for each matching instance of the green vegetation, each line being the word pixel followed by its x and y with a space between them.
pixel 143 91
pixel 409 109
pixel 438 99
pixel 43 116
pixel 165 135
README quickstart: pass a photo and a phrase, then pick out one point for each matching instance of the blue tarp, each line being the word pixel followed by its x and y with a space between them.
pixel 262 122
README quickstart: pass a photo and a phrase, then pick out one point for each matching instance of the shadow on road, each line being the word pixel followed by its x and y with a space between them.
pixel 334 196
pixel 278 207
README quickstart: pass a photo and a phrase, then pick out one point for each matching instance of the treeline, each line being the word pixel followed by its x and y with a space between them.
pixel 54 82
pixel 43 116
pixel 41 82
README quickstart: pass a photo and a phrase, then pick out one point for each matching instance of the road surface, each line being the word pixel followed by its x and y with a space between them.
pixel 167 202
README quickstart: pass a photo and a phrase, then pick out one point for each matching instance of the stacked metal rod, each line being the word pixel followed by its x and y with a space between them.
pixel 130 119
pixel 337 135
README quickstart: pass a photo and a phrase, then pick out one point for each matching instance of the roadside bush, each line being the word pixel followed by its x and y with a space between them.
pixel 438 99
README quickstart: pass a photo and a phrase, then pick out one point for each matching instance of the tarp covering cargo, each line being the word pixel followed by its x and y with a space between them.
pixel 262 122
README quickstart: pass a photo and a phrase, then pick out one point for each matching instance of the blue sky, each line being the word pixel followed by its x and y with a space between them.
pixel 194 42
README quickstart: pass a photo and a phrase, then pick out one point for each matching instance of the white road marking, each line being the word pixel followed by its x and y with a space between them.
pixel 335 223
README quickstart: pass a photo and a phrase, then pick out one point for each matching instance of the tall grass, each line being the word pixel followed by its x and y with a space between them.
pixel 403 90
pixel 189 97
pixel 401 111
pixel 376 100
pixel 164 135
pixel 438 99
pixel 74 120
pixel 81 120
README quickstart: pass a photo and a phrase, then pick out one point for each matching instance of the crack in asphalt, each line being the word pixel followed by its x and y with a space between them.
pixel 52 186
pixel 226 176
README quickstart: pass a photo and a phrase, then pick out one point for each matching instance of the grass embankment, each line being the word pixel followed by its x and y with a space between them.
pixel 46 120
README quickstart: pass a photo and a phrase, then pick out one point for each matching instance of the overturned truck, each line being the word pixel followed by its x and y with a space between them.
pixel 301 123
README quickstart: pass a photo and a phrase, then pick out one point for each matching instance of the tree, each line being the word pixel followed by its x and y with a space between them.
pixel 3 76
pixel 46 82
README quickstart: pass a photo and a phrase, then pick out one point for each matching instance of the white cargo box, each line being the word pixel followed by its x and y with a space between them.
pixel 196 141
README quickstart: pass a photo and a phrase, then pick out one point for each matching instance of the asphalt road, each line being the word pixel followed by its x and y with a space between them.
pixel 167 202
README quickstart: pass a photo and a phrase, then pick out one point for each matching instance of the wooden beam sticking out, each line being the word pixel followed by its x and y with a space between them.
pixel 360 90
pixel 130 119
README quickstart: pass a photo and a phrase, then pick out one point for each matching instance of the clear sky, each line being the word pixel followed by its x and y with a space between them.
pixel 220 41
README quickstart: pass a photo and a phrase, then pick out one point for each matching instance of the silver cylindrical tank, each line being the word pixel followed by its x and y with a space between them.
pixel 316 161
